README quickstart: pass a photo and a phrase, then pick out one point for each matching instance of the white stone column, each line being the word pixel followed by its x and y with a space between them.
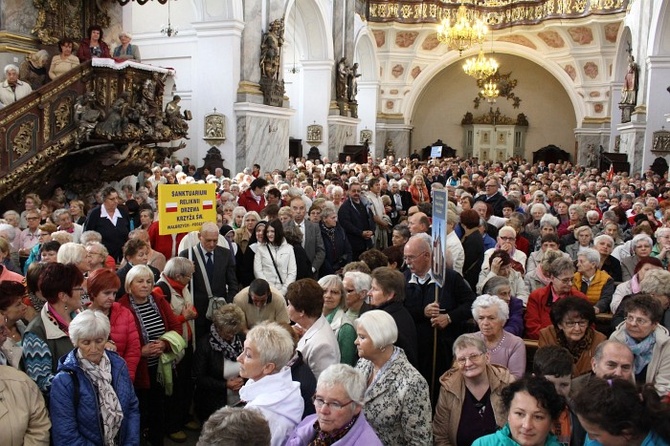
pixel 262 136
pixel 367 111
pixel 312 99
pixel 656 98
pixel 217 75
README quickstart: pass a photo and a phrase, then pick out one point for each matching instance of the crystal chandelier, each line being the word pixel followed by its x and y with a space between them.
pixel 169 30
pixel 464 33
pixel 490 91
pixel 480 67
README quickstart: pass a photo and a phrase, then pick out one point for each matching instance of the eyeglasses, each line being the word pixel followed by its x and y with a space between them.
pixel 43 234
pixel 506 239
pixel 637 320
pixel 472 358
pixel 491 185
pixel 411 258
pixel 564 280
pixel 32 218
pixel 334 405
pixel 572 324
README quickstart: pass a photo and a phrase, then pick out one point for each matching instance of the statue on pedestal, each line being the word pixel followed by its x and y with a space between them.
pixel 271 84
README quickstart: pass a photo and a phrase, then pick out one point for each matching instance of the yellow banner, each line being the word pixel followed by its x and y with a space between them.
pixel 185 207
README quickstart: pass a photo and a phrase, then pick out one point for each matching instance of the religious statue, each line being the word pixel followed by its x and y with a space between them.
pixel 591 156
pixel 174 118
pixel 629 90
pixel 341 80
pixel 87 114
pixel 352 84
pixel 271 45
pixel 116 121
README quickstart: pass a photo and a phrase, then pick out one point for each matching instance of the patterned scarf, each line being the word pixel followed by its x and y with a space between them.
pixel 576 348
pixel 230 350
pixel 642 351
pixel 110 407
pixel 143 333
pixel 327 438
pixel 36 302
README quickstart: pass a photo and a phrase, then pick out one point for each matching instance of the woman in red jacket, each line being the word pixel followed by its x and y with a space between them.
pixel 153 318
pixel 124 338
pixel 419 190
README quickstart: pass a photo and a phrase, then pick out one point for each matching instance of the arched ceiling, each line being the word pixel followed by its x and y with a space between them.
pixel 579 52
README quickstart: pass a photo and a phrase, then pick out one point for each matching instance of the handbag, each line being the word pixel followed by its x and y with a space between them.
pixel 214 302
pixel 274 264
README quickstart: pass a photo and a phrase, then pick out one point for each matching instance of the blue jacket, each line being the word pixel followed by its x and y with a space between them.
pixel 80 425
pixel 503 437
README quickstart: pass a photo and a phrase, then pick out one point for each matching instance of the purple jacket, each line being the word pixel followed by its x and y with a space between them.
pixel 515 322
pixel 361 433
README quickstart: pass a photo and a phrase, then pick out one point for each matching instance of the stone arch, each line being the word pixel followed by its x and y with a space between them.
pixel 364 53
pixel 314 31
pixel 659 39
pixel 452 57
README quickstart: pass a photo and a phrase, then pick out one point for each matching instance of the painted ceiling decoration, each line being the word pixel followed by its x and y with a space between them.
pixel 498 14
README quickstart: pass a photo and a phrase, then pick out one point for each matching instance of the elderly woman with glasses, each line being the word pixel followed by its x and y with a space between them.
pixel 506 242
pixel 595 283
pixel 356 286
pixel 397 401
pixel 470 403
pixel 504 348
pixel 561 274
pixel 339 419
pixel 92 396
pixel 641 247
pixel 573 319
pixel 648 340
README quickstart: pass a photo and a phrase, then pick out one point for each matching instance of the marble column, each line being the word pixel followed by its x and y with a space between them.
pixel 314 100
pixel 595 132
pixel 343 35
pixel 397 136
pixel 250 71
pixel 262 136
pixel 341 132
pixel 367 111
pixel 656 100
pixel 632 142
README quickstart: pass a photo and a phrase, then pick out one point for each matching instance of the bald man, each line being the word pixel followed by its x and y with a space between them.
pixel 215 265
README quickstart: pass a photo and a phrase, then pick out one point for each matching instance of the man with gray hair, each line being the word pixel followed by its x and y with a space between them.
pixel 447 315
pixel 214 278
pixel 12 89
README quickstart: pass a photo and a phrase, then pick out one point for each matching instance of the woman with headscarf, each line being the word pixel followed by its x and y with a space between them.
pixel 33 69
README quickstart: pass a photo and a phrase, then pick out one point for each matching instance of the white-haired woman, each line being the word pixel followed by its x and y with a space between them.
pixel 640 247
pixel 661 249
pixel 470 403
pixel 397 402
pixel 504 348
pixel 13 89
pixel 595 283
pixel 584 237
pixel 537 211
pixel 126 50
pixel 244 233
pixel 356 286
pixel 76 254
pixel 270 388
pixel 333 311
pixel 339 419
pixel 92 396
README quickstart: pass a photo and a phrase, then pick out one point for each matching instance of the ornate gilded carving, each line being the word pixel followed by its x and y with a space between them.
pixel 46 119
pixel 21 142
pixel 498 13
pixel 505 85
pixel 63 114
pixel 57 18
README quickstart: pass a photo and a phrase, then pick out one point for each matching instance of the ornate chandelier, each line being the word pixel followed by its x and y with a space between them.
pixel 464 33
pixel 490 91
pixel 480 67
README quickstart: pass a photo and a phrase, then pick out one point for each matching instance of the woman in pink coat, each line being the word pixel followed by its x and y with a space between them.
pixel 123 337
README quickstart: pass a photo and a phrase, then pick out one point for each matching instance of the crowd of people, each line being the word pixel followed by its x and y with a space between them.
pixel 307 313
pixel 36 71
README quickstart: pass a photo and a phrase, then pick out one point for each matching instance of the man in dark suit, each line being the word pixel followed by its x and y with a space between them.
pixel 493 196
pixel 311 234
pixel 356 219
pixel 214 264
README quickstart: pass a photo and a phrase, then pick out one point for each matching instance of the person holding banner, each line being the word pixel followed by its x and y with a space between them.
pixel 445 309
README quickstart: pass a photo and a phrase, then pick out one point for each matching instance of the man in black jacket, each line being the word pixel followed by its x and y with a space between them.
pixel 493 196
pixel 356 219
pixel 448 315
